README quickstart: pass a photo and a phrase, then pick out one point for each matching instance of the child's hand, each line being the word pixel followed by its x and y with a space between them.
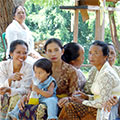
pixel 35 88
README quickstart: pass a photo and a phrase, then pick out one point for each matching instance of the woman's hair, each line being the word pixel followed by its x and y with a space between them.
pixel 15 43
pixel 110 44
pixel 15 9
pixel 44 64
pixel 104 46
pixel 71 52
pixel 53 40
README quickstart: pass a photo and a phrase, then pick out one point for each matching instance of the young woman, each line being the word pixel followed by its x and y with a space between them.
pixel 15 73
pixel 74 55
pixel 18 30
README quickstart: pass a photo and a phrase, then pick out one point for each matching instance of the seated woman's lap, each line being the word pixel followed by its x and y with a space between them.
pixel 34 112
pixel 7 104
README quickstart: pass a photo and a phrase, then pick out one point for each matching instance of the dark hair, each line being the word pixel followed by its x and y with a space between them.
pixel 104 46
pixel 45 64
pixel 15 9
pixel 110 44
pixel 70 52
pixel 53 40
pixel 15 43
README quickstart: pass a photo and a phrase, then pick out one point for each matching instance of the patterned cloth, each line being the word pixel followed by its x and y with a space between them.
pixel 67 79
pixel 91 77
pixel 89 82
pixel 106 84
pixel 7 104
pixel 34 112
pixel 81 79
pixel 76 111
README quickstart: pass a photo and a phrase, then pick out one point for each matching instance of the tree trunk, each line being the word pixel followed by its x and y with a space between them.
pixel 6 7
pixel 114 30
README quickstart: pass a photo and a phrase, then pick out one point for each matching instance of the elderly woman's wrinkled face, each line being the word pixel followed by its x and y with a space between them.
pixel 112 55
pixel 79 60
pixel 96 57
pixel 20 15
pixel 19 55
pixel 54 52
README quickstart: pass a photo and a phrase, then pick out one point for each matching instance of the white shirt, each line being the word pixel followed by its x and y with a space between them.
pixel 17 87
pixel 105 84
pixel 15 32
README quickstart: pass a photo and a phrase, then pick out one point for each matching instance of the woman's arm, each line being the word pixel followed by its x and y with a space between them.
pixel 26 81
pixel 106 83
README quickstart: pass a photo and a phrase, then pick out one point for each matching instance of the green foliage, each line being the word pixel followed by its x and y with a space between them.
pixel 2 53
pixel 50 21
pixel 47 3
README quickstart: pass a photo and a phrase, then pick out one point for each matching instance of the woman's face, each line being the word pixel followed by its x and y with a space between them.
pixel 96 57
pixel 19 55
pixel 79 60
pixel 20 15
pixel 54 52
pixel 112 55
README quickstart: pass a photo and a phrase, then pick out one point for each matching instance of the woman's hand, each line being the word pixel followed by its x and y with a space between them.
pixel 80 94
pixel 4 90
pixel 24 100
pixel 112 101
pixel 33 55
pixel 62 101
pixel 15 77
pixel 77 99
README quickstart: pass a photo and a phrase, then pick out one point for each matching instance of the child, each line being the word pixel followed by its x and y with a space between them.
pixel 46 89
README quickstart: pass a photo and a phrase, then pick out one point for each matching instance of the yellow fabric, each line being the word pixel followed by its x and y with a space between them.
pixel 113 93
pixel 62 95
pixel 96 97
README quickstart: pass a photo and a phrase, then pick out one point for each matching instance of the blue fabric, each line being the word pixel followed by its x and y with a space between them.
pixel 44 85
pixel 52 107
pixel 114 112
pixel 51 102
pixel 14 113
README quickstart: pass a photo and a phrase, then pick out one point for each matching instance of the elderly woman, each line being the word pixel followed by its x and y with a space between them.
pixel 92 72
pixel 74 55
pixel 15 74
pixel 18 30
pixel 64 74
pixel 106 82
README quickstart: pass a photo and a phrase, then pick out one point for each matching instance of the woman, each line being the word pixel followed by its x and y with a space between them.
pixel 15 73
pixel 92 73
pixel 105 84
pixel 64 74
pixel 74 55
pixel 18 30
